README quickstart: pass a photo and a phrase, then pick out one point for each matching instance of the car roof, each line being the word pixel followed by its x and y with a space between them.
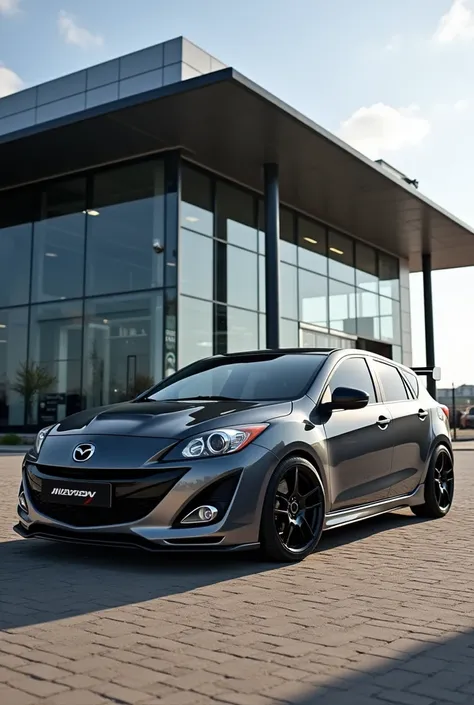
pixel 281 351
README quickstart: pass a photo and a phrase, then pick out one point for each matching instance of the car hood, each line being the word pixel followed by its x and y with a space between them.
pixel 168 419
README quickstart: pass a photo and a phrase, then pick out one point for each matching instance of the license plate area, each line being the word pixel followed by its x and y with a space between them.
pixel 77 494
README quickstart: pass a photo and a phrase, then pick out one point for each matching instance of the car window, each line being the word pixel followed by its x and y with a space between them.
pixel 354 373
pixel 412 380
pixel 391 381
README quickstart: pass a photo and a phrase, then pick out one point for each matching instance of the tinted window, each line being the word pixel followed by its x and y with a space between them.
pixel 392 383
pixel 353 373
pixel 254 378
pixel 412 380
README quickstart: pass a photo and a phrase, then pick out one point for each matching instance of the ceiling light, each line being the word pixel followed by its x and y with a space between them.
pixel 106 320
pixel 3 341
pixel 50 254
pixel 91 212
pixel 336 251
pixel 171 264
pixel 191 219
pixel 310 239
pixel 3 325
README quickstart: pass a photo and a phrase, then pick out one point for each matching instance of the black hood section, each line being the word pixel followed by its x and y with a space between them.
pixel 168 419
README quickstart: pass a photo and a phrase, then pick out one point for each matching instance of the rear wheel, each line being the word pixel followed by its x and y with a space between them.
pixel 293 512
pixel 439 486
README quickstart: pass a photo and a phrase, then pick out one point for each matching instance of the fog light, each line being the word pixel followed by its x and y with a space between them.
pixel 201 515
pixel 22 501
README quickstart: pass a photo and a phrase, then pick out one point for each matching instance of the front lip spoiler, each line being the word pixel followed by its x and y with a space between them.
pixel 117 541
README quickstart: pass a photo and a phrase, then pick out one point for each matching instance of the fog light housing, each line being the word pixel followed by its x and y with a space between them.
pixel 201 515
pixel 22 501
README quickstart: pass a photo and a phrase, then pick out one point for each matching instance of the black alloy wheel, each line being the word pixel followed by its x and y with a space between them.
pixel 439 486
pixel 293 512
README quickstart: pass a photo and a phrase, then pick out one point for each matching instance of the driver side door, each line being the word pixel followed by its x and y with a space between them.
pixel 359 442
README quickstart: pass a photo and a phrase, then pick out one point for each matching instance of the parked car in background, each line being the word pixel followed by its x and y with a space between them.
pixel 467 418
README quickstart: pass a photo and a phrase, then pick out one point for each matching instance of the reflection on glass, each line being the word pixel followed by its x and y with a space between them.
pixel 194 330
pixel 342 307
pixel 288 334
pixel 288 291
pixel 262 331
pixel 366 267
pixel 15 262
pixel 389 320
pixel 196 264
pixel 288 248
pixel 236 216
pixel 55 361
pixel 315 339
pixel 196 202
pixel 58 242
pixel 242 330
pixel 341 257
pixel 125 229
pixel 368 325
pixel 123 347
pixel 312 242
pixel 313 298
pixel 13 391
pixel 389 276
pixel 242 286
pixel 261 284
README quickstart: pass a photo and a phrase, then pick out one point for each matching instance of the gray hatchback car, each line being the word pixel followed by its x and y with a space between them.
pixel 262 449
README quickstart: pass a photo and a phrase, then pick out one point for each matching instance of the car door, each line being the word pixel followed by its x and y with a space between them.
pixel 410 427
pixel 359 441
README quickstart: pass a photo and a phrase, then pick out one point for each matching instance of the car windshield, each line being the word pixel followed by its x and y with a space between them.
pixel 259 377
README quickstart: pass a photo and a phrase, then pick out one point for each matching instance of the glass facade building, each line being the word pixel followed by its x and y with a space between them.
pixel 113 278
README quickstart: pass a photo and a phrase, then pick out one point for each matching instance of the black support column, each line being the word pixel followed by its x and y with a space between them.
pixel 272 254
pixel 429 324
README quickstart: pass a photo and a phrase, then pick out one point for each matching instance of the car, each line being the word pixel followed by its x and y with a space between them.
pixel 254 450
pixel 467 418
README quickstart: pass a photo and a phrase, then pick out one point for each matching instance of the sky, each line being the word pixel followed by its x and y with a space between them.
pixel 392 78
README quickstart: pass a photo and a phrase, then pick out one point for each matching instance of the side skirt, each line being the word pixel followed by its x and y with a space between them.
pixel 349 516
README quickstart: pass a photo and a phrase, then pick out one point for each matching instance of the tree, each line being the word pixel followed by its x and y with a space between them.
pixel 31 379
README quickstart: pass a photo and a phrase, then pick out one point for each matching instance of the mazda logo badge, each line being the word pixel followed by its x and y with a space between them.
pixel 83 452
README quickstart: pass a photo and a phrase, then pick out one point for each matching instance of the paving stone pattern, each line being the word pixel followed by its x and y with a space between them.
pixel 383 613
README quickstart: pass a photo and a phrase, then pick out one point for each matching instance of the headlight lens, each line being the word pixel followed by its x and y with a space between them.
pixel 222 441
pixel 39 440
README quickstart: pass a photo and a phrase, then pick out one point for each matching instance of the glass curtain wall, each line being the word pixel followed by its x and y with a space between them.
pixel 83 291
pixel 332 288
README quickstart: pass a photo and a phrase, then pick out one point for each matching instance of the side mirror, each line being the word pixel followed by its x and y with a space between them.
pixel 347 398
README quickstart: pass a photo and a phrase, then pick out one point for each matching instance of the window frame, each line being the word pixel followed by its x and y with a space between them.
pixel 376 386
pixel 406 387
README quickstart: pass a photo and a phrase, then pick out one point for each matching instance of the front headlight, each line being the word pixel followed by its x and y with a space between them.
pixel 222 441
pixel 39 440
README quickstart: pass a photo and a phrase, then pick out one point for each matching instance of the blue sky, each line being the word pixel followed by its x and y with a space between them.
pixel 392 78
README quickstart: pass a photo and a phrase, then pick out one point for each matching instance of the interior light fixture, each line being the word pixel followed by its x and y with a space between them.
pixel 310 239
pixel 171 264
pixel 91 212
pixel 336 251
pixel 3 341
pixel 106 320
pixel 50 254
pixel 3 325
pixel 191 219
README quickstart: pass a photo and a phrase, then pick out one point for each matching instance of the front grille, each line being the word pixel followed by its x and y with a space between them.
pixel 131 501
pixel 106 475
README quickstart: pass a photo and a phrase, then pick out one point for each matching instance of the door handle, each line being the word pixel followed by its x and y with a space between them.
pixel 422 414
pixel 383 422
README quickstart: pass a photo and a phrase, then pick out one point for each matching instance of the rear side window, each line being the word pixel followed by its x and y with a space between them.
pixel 392 383
pixel 354 373
pixel 412 380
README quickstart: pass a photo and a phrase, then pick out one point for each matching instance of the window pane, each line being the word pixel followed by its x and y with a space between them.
pixel 236 213
pixel 262 331
pixel 195 330
pixel 242 330
pixel 342 310
pixel 366 268
pixel 289 334
pixel 242 287
pixel 15 261
pixel 389 320
pixel 313 296
pixel 312 251
pixel 341 257
pixel 196 204
pixel 196 264
pixel 125 229
pixel 261 284
pixel 397 353
pixel 353 373
pixel 13 391
pixel 123 347
pixel 368 324
pixel 288 291
pixel 58 242
pixel 55 360
pixel 392 384
pixel 389 276
pixel 288 249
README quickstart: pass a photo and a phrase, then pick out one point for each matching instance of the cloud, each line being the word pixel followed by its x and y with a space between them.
pixel 9 7
pixel 457 23
pixel 394 43
pixel 72 33
pixel 10 82
pixel 380 128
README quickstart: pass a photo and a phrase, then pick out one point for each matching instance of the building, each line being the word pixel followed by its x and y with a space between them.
pixel 140 229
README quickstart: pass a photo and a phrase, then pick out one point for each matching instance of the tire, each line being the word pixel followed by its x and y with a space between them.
pixel 439 486
pixel 291 526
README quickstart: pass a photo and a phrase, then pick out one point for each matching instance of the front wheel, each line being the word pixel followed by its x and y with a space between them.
pixel 293 512
pixel 439 486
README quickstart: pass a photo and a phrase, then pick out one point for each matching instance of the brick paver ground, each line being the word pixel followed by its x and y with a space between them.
pixel 383 613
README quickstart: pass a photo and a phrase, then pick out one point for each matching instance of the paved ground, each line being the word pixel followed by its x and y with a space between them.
pixel 383 613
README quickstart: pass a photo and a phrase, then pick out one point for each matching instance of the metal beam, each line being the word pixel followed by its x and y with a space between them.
pixel 429 322
pixel 272 254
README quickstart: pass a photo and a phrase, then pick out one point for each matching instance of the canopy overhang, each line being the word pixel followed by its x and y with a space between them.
pixel 231 126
